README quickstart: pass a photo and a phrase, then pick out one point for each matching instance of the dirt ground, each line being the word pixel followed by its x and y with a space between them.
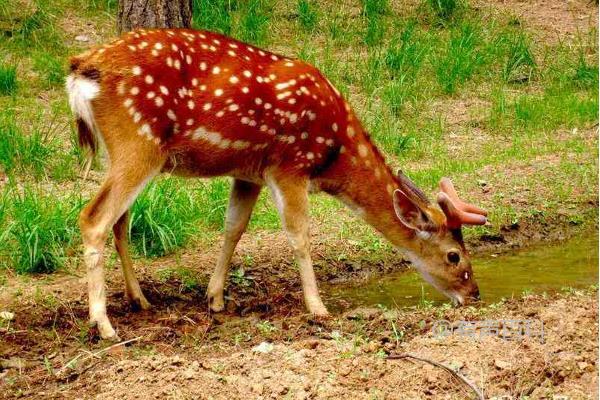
pixel 183 354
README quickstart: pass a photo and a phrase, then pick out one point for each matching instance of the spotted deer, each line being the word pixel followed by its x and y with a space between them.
pixel 200 104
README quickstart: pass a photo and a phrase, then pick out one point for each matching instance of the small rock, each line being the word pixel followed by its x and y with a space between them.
pixel 583 365
pixel 7 315
pixel 456 365
pixel 500 364
pixel 257 388
pixel 176 360
pixel 264 347
pixel 82 38
pixel 188 373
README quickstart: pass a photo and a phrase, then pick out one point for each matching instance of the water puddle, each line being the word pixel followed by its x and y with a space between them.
pixel 542 268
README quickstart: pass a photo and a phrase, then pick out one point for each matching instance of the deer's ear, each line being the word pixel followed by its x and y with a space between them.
pixel 412 214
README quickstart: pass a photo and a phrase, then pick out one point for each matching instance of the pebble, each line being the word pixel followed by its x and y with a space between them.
pixel 82 38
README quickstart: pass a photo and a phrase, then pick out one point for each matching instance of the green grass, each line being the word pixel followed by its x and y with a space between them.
pixel 24 153
pixel 460 58
pixel 519 60
pixel 308 15
pixel 444 9
pixel 51 69
pixel 162 218
pixel 444 89
pixel 8 79
pixel 43 228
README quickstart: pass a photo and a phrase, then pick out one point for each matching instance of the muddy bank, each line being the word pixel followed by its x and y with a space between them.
pixel 343 357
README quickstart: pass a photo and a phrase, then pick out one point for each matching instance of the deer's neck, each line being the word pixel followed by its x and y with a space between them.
pixel 364 182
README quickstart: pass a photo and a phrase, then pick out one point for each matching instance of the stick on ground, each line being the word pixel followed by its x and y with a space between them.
pixel 460 377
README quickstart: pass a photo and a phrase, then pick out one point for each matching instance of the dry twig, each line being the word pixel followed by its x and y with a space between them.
pixel 460 377
pixel 96 354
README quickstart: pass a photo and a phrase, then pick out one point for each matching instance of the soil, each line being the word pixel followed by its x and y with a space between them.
pixel 180 352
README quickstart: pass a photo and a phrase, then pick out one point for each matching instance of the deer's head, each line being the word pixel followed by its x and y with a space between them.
pixel 438 251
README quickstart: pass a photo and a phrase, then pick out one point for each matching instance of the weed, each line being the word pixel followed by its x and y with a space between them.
pixel 443 9
pixel 405 54
pixel 254 21
pixel 396 94
pixel 585 76
pixel 373 8
pixel 8 79
pixel 213 15
pixel 239 278
pixel 24 153
pixel 213 202
pixel 460 59
pixel 44 227
pixel 266 328
pixel 162 218
pixel 520 63
pixel 50 68
pixel 307 15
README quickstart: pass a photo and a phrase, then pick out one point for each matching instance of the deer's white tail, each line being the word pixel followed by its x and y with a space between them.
pixel 82 91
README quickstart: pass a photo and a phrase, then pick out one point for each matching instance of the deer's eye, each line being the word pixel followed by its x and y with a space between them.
pixel 453 257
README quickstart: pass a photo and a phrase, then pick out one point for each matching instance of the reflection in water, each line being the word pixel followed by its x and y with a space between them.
pixel 573 263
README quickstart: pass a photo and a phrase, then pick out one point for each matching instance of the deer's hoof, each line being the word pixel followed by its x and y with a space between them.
pixel 216 303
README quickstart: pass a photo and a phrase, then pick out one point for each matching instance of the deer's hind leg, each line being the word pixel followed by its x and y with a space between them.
pixel 133 292
pixel 126 178
pixel 241 203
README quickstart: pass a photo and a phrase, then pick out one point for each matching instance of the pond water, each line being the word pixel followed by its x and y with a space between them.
pixel 542 268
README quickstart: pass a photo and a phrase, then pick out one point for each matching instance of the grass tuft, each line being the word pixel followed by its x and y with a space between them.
pixel 8 79
pixel 254 21
pixel 459 60
pixel 307 15
pixel 51 69
pixel 162 218
pixel 443 9
pixel 43 228
pixel 23 153
pixel 520 63
pixel 213 15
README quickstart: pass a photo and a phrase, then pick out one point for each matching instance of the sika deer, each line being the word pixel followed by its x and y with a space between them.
pixel 200 104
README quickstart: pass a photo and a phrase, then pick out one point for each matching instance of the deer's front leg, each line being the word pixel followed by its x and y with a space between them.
pixel 241 202
pixel 291 197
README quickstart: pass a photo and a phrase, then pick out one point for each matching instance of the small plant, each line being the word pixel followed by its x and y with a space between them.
pixel 266 328
pixel 24 153
pixel 396 94
pixel 44 228
pixel 405 54
pixel 8 79
pixel 307 15
pixel 443 9
pixel 213 15
pixel 460 60
pixel 50 68
pixel 254 21
pixel 375 31
pixel 373 11
pixel 520 63
pixel 372 8
pixel 585 76
pixel 213 202
pixel 239 278
pixel 163 218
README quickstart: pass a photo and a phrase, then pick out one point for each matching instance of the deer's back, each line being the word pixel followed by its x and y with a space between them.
pixel 216 105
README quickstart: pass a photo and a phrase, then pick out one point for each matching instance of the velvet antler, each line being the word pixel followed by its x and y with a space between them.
pixel 458 212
